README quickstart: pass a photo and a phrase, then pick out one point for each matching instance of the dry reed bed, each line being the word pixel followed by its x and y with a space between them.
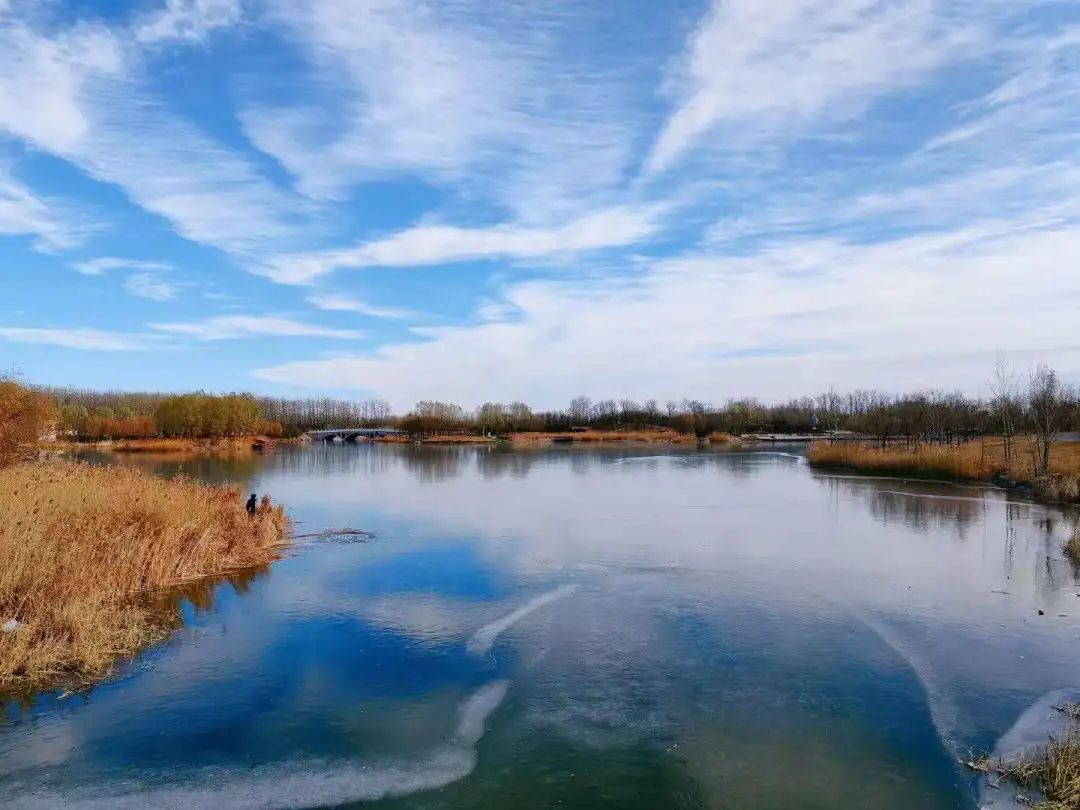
pixel 228 445
pixel 150 446
pixel 1058 487
pixel 980 460
pixel 87 554
pixel 949 462
pixel 1072 547
pixel 658 436
pixel 457 439
pixel 1052 769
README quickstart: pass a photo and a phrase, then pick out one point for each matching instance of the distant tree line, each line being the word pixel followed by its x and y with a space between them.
pixel 200 415
pixel 299 415
pixel 132 415
pixel 95 416
pixel 1038 405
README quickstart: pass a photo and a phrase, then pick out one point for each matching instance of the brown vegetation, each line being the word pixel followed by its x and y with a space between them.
pixel 650 436
pixel 1041 408
pixel 393 438
pixel 947 461
pixel 1058 486
pixel 458 438
pixel 1072 547
pixel 238 444
pixel 187 416
pixel 655 436
pixel 86 553
pixel 24 415
pixel 131 427
pixel 977 460
pixel 152 446
pixel 1052 769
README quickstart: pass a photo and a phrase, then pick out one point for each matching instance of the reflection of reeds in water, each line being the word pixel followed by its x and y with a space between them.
pixel 922 511
pixel 89 557
pixel 200 593
pixel 654 436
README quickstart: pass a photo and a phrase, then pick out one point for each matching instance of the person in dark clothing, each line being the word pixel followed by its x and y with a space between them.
pixel 252 504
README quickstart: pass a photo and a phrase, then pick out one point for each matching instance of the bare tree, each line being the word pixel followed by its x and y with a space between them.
pixel 1006 404
pixel 581 410
pixel 1046 403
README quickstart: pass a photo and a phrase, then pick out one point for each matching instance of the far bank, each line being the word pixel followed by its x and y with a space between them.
pixel 982 460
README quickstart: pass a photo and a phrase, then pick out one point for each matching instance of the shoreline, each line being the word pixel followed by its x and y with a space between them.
pixel 656 436
pixel 257 444
pixel 93 561
pixel 976 462
pixel 235 444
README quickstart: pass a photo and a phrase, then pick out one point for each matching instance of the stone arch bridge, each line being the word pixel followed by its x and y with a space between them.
pixel 350 434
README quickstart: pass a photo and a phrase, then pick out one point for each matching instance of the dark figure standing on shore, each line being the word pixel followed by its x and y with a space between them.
pixel 251 504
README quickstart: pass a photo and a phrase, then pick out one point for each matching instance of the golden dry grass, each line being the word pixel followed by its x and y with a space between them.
pixel 655 436
pixel 87 555
pixel 980 460
pixel 1072 547
pixel 1058 486
pixel 927 459
pixel 238 444
pixel 151 446
pixel 463 438
pixel 1053 769
pixel 24 415
pixel 722 438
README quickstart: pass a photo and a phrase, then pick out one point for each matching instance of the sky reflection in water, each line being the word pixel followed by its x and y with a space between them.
pixel 633 627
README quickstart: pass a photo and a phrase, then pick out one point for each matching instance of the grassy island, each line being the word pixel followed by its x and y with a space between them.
pixel 88 555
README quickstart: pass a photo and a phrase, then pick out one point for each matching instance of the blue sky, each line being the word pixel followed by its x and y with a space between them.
pixel 473 200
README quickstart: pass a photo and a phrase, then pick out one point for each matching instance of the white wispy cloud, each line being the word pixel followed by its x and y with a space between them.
pixel 400 71
pixel 146 279
pixel 1033 194
pixel 103 264
pixel 188 20
pixel 440 244
pixel 79 94
pixel 1027 117
pixel 491 104
pixel 754 72
pixel 1010 153
pixel 152 286
pixel 844 240
pixel 782 321
pixel 331 302
pixel 90 339
pixel 24 213
pixel 232 327
pixel 42 79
